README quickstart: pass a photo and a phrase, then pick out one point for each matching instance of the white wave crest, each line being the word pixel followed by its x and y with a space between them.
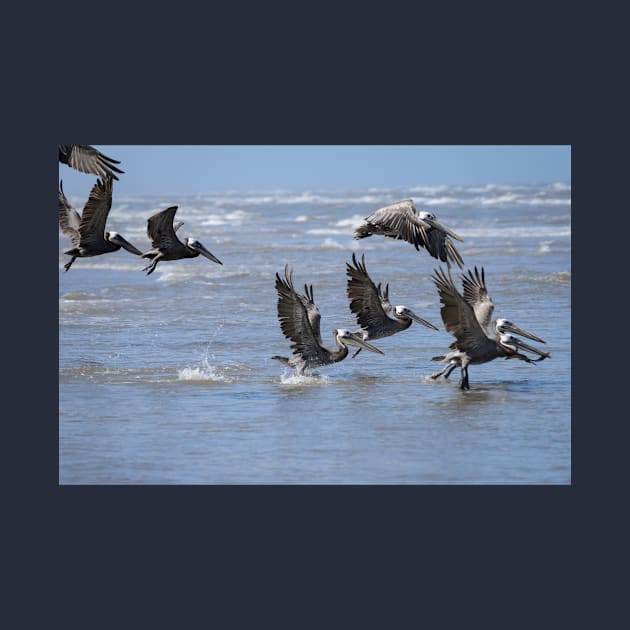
pixel 515 232
pixel 327 231
pixel 352 222
pixel 329 243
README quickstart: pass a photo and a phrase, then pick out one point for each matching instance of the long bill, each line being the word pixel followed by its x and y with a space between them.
pixel 439 226
pixel 354 339
pixel 125 244
pixel 204 252
pixel 525 346
pixel 513 328
pixel 418 319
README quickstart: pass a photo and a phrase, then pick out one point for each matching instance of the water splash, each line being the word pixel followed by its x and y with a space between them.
pixel 291 378
pixel 205 372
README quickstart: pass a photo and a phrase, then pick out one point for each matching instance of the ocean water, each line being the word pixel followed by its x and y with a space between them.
pixel 168 378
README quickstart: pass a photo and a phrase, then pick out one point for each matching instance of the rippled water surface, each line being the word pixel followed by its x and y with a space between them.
pixel 168 378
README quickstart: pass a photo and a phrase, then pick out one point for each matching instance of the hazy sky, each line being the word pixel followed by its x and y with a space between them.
pixel 192 169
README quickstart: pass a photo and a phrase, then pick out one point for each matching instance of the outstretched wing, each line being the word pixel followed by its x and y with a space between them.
pixel 69 218
pixel 95 212
pixel 294 320
pixel 314 316
pixel 160 229
pixel 384 296
pixel 440 246
pixel 476 294
pixel 399 220
pixel 458 315
pixel 366 300
pixel 86 159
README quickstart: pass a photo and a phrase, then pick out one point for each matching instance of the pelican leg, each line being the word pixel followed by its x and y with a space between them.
pixel 151 268
pixel 437 374
pixel 463 383
pixel 449 366
pixel 69 264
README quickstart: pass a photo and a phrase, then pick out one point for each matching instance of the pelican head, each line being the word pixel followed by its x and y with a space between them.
pixel 403 312
pixel 346 338
pixel 431 220
pixel 515 344
pixel 504 326
pixel 194 244
pixel 120 241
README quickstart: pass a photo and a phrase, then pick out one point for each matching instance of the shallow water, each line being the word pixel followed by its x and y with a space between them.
pixel 168 378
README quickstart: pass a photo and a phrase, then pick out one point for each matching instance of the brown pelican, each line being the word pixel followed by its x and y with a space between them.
pixel 467 317
pixel 401 221
pixel 371 305
pixel 166 245
pixel 299 321
pixel 87 232
pixel 87 159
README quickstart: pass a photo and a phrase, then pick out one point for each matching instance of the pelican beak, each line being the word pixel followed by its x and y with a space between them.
pixel 519 331
pixel 353 339
pixel 418 319
pixel 125 244
pixel 438 226
pixel 204 252
pixel 525 346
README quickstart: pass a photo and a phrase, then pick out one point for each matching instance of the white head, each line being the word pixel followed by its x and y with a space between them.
pixel 516 344
pixel 427 215
pixel 404 312
pixel 509 340
pixel 194 244
pixel 502 325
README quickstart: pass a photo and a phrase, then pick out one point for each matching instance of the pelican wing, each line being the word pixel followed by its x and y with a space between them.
pixel 366 301
pixel 440 246
pixel 476 294
pixel 314 316
pixel 86 159
pixel 384 297
pixel 400 220
pixel 69 218
pixel 95 212
pixel 160 229
pixel 295 323
pixel 458 315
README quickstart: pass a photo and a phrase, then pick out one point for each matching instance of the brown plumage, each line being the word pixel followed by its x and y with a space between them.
pixel 166 245
pixel 86 159
pixel 473 344
pixel 401 221
pixel 87 232
pixel 371 306
pixel 299 321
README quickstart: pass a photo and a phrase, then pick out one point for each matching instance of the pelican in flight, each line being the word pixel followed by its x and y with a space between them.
pixel 299 321
pixel 87 159
pixel 87 232
pixel 401 221
pixel 370 305
pixel 468 317
pixel 166 245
